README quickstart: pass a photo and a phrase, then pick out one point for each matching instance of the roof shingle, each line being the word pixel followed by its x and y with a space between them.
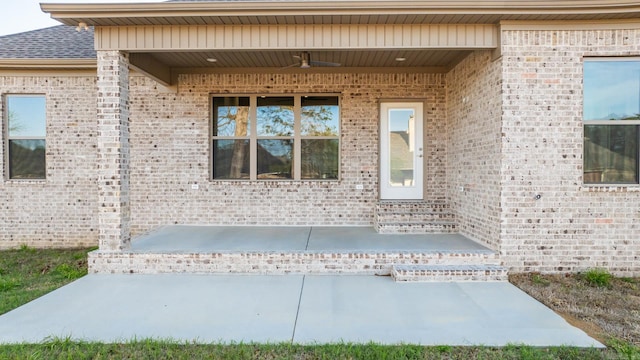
pixel 57 42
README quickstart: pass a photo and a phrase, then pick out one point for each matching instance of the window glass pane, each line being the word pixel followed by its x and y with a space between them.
pixel 275 116
pixel 231 159
pixel 27 159
pixel 231 116
pixel 611 90
pixel 319 159
pixel 275 159
pixel 610 154
pixel 320 116
pixel 26 115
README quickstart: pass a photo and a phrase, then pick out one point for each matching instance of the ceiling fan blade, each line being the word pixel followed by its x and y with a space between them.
pixel 290 66
pixel 325 63
pixel 305 62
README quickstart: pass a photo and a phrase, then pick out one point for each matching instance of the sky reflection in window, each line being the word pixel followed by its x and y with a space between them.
pixel 611 90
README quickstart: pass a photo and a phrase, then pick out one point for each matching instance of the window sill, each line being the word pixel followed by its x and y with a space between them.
pixel 611 187
pixel 25 183
pixel 268 181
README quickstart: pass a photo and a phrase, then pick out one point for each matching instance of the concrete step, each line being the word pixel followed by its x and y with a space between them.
pixel 281 263
pixel 439 227
pixel 414 217
pixel 408 206
pixel 394 217
pixel 446 273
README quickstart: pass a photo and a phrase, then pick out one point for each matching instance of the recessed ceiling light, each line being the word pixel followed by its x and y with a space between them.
pixel 212 60
pixel 401 59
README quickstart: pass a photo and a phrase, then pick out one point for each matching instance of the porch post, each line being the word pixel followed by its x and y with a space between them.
pixel 113 151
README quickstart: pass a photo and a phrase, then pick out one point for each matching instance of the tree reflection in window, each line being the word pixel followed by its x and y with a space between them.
pixel 231 128
pixel 296 137
pixel 26 120
pixel 320 127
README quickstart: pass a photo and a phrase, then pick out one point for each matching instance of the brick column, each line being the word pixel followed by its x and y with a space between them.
pixel 113 151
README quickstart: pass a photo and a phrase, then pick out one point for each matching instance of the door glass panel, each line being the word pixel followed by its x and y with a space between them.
pixel 401 147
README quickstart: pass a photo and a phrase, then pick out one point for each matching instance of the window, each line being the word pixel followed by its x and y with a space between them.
pixel 26 143
pixel 611 120
pixel 275 137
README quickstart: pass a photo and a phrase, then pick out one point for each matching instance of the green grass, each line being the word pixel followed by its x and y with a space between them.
pixel 26 274
pixel 65 349
pixel 624 350
pixel 540 280
pixel 598 277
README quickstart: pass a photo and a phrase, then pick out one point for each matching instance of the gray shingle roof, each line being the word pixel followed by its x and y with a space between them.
pixel 58 42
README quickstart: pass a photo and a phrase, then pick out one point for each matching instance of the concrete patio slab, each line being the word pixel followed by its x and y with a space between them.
pixel 115 308
pixel 303 309
pixel 359 238
pixel 202 239
pixel 361 309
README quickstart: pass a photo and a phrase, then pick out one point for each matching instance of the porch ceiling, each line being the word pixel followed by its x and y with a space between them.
pixel 165 67
pixel 164 51
pixel 433 60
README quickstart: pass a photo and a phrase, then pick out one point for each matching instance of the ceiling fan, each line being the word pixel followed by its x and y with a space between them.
pixel 305 62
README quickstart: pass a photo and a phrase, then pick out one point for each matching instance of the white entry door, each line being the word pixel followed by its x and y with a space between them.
pixel 401 155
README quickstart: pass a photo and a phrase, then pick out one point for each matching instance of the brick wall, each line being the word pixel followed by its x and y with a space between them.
pixel 60 211
pixel 512 130
pixel 170 151
pixel 113 161
pixel 473 157
pixel 571 227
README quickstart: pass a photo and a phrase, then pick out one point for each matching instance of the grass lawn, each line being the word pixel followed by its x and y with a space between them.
pixel 26 274
pixel 166 350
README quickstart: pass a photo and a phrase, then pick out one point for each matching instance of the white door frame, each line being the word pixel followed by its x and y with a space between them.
pixel 402 174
